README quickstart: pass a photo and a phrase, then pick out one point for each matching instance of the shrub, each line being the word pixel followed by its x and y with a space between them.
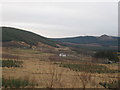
pixel 92 68
pixel 11 63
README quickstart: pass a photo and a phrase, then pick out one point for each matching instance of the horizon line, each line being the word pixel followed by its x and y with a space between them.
pixel 25 29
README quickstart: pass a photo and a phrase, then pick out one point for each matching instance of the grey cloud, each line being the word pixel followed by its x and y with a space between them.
pixel 62 19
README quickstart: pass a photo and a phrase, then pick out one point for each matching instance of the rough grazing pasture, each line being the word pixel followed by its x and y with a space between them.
pixel 43 73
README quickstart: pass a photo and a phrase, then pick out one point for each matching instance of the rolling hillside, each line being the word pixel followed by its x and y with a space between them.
pixel 20 37
pixel 14 34
pixel 102 42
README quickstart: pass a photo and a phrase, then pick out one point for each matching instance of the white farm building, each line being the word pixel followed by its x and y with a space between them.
pixel 62 55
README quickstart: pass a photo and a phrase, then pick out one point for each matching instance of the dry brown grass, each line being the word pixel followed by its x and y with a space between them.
pixel 37 68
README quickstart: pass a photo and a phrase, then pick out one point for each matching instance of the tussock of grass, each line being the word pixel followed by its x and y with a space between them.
pixel 16 83
pixel 110 85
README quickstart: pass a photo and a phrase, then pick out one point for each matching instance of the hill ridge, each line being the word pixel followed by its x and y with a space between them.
pixel 15 34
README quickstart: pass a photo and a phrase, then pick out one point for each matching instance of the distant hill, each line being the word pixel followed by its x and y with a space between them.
pixel 106 38
pixel 10 34
pixel 17 37
pixel 102 42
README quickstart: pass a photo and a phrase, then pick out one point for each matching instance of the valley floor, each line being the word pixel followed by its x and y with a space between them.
pixel 38 69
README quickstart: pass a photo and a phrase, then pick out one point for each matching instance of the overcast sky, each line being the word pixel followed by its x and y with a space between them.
pixel 63 19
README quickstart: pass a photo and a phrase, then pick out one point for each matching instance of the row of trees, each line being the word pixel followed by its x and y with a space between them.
pixel 108 55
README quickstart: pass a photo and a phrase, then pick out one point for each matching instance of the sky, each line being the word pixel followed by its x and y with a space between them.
pixel 62 19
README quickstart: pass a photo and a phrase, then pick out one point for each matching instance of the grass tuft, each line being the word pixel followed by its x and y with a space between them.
pixel 16 83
